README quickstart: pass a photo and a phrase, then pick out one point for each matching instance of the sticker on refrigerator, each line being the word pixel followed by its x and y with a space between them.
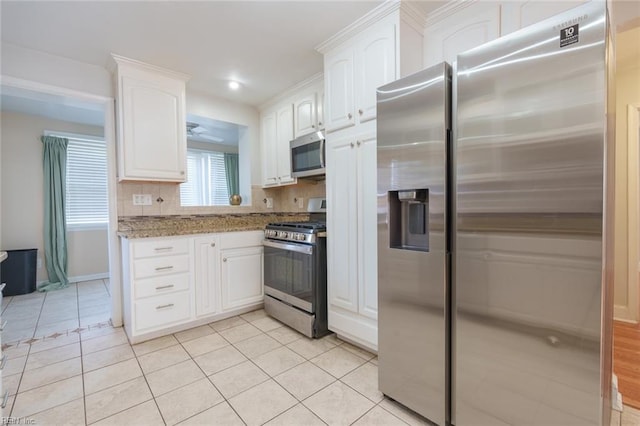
pixel 569 35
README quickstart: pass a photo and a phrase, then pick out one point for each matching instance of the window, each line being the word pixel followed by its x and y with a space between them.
pixel 87 202
pixel 207 180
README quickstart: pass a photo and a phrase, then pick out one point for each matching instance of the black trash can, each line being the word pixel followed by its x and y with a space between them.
pixel 19 272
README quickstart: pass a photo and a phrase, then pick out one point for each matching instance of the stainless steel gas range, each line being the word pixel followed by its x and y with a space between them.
pixel 295 271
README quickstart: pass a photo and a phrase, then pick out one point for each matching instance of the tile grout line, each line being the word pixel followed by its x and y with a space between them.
pixel 224 398
pixel 144 375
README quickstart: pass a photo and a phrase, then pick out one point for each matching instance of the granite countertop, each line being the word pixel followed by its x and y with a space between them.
pixel 165 226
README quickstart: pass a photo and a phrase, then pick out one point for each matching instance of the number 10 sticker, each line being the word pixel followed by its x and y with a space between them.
pixel 569 35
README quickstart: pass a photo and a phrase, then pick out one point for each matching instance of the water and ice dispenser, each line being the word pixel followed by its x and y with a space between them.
pixel 409 219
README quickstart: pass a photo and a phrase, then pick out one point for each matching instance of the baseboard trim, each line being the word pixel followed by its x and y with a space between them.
pixel 80 278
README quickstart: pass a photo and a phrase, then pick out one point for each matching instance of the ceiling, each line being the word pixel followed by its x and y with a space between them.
pixel 267 46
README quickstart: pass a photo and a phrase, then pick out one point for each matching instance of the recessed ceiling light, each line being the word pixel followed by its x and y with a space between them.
pixel 234 85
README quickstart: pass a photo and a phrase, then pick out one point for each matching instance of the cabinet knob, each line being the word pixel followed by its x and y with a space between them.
pixel 182 172
pixel 313 126
pixel 224 259
pixel 358 143
pixel 360 112
pixel 319 123
pixel 349 116
pixel 352 145
pixel 213 244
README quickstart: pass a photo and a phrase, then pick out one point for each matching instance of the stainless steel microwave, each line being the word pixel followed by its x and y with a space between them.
pixel 307 155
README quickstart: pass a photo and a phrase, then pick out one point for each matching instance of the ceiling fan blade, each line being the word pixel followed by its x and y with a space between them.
pixel 211 138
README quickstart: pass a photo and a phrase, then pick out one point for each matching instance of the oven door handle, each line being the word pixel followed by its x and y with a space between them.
pixel 299 248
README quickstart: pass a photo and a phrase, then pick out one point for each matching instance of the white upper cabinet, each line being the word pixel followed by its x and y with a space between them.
pixel 285 134
pixel 305 115
pixel 276 132
pixel 375 66
pixel 269 154
pixel 339 78
pixel 297 112
pixel 355 71
pixel 447 36
pixel 381 47
pixel 519 14
pixel 152 143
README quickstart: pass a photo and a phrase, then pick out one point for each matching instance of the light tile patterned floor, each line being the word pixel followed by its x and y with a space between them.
pixel 38 315
pixel 248 369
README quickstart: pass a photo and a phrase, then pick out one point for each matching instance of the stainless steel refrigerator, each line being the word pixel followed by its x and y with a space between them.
pixel 517 331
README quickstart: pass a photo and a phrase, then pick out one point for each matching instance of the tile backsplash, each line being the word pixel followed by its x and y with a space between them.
pixel 166 199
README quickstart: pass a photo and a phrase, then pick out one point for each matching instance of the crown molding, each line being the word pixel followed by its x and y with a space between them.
pixel 447 10
pixel 413 16
pixel 370 18
pixel 121 60
pixel 291 91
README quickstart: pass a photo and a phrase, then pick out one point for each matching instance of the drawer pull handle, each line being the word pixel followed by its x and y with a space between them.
pixel 3 361
pixel 164 268
pixel 5 398
pixel 3 325
pixel 162 287
pixel 168 305
pixel 163 248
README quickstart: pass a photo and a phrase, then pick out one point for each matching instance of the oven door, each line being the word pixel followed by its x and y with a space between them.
pixel 290 273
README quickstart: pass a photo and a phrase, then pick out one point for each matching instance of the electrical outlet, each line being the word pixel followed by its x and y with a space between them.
pixel 269 202
pixel 39 263
pixel 300 202
pixel 142 200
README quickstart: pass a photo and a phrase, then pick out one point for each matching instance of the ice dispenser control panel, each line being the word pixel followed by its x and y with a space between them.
pixel 409 219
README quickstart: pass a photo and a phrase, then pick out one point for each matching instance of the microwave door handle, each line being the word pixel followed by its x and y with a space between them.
pixel 322 153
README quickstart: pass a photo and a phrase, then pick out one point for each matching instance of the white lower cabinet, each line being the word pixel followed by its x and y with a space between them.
pixel 207 273
pixel 174 283
pixel 241 277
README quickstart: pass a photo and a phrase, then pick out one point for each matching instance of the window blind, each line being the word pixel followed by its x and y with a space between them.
pixel 206 179
pixel 87 199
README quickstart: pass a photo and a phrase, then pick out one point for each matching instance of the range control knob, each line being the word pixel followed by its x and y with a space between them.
pixel 283 234
pixel 301 237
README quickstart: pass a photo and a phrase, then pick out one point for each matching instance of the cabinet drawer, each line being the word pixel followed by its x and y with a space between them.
pixel 160 285
pixel 160 311
pixel 147 268
pixel 159 247
pixel 241 239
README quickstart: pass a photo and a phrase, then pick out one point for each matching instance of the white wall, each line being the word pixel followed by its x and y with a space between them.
pixel 40 67
pixel 221 109
pixel 627 92
pixel 21 183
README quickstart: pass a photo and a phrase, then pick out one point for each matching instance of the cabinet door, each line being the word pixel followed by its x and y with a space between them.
pixel 207 275
pixel 304 115
pixel 268 146
pixel 320 109
pixel 342 255
pixel 285 134
pixel 241 277
pixel 519 14
pixel 375 66
pixel 338 74
pixel 472 26
pixel 367 227
pixel 153 145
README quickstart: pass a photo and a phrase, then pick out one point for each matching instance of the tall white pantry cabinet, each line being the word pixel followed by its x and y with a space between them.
pixel 384 45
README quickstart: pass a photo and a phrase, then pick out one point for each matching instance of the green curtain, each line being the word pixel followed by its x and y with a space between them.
pixel 233 175
pixel 55 227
